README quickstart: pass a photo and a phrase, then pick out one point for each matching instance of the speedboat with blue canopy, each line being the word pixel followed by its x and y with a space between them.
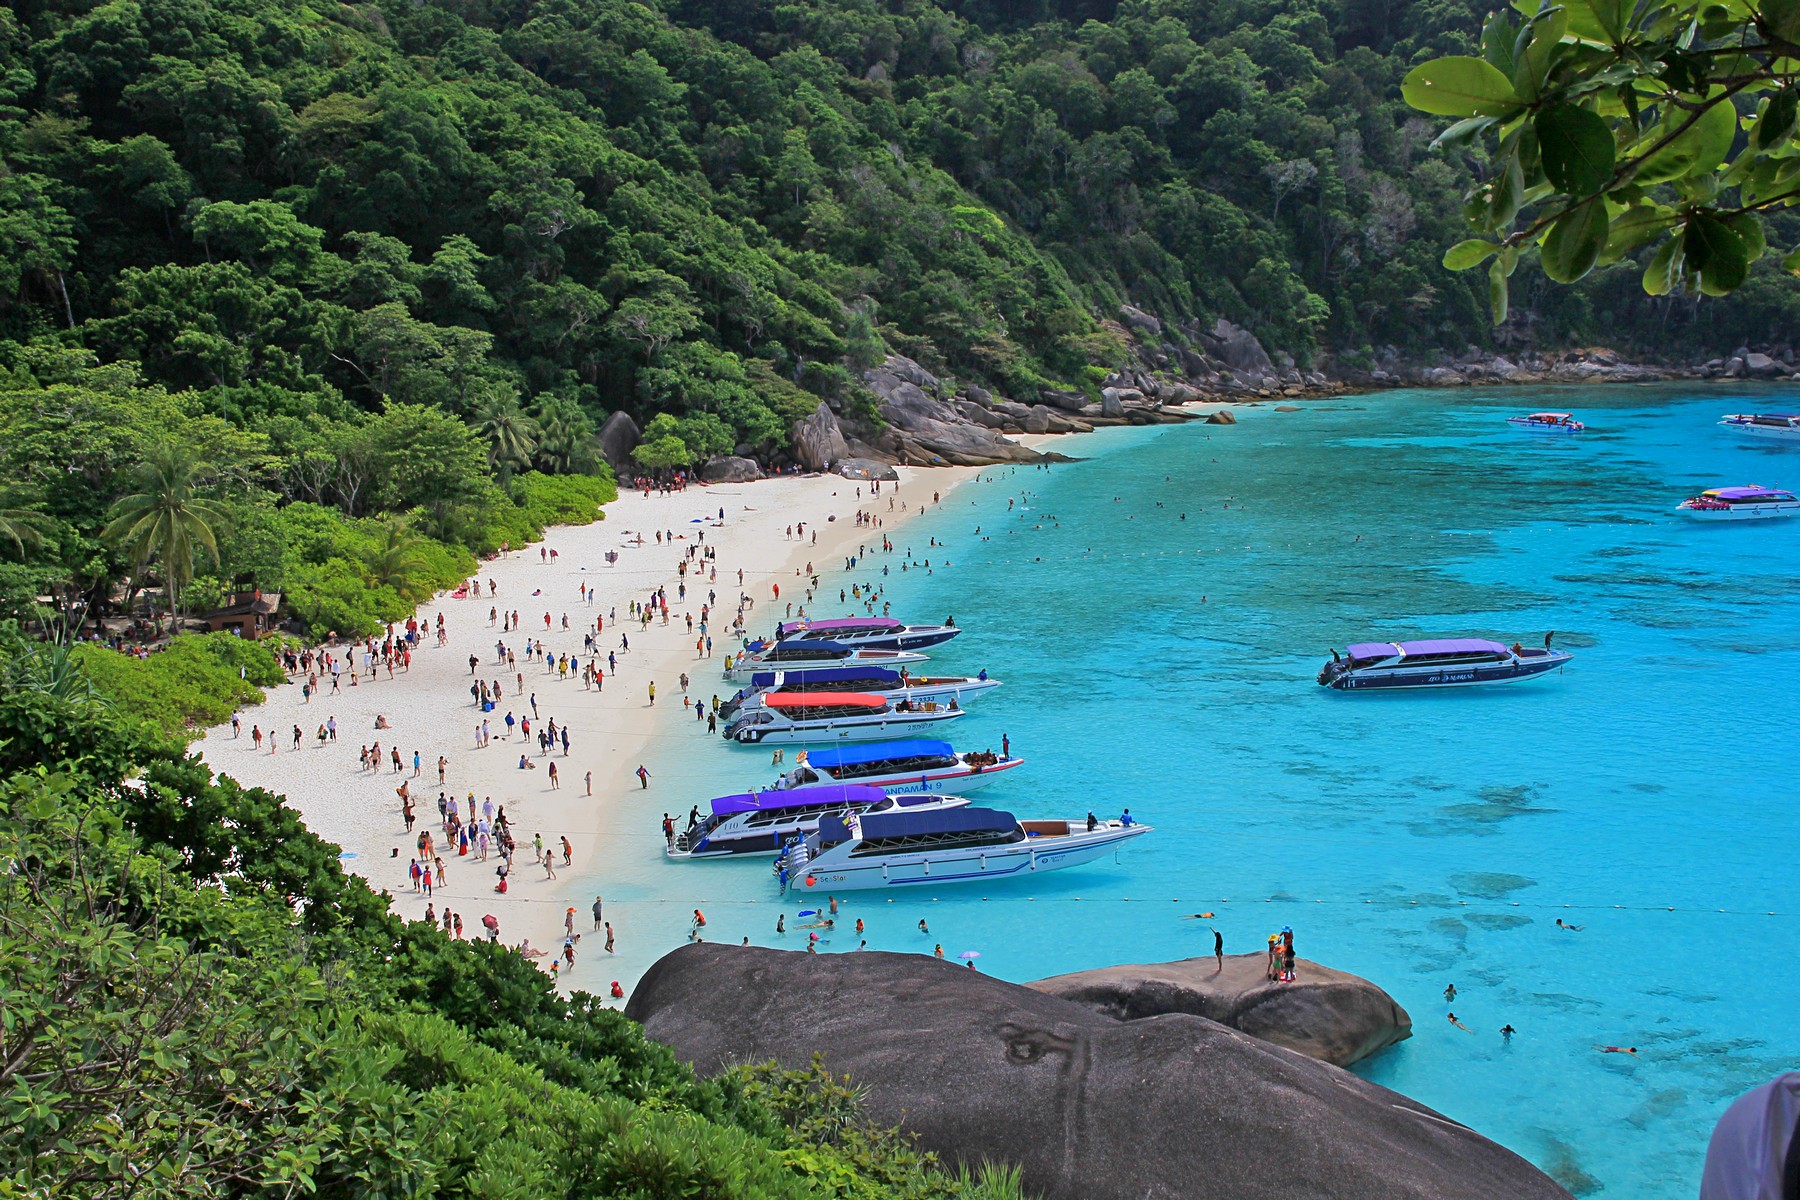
pixel 959 845
pixel 806 655
pixel 1442 662
pixel 918 766
pixel 878 633
pixel 759 822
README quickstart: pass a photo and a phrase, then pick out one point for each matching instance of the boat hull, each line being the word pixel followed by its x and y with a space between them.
pixel 1773 433
pixel 950 781
pixel 893 727
pixel 1482 675
pixel 1741 512
pixel 745 667
pixel 737 837
pixel 1019 860
pixel 1542 426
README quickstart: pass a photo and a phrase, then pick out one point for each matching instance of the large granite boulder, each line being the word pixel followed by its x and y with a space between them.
pixel 1333 1016
pixel 730 469
pixel 1238 348
pixel 1067 401
pixel 934 433
pixel 817 441
pixel 618 437
pixel 1172 1107
pixel 1223 416
pixel 868 469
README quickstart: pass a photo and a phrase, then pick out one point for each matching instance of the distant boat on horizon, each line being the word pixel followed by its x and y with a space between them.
pixel 1547 422
pixel 1769 427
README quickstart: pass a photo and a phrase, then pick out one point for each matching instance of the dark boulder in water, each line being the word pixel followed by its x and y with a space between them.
pixel 1091 1108
pixel 1333 1016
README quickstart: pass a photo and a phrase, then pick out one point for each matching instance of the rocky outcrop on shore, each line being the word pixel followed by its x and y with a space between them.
pixel 1090 1107
pixel 1592 365
pixel 1330 1015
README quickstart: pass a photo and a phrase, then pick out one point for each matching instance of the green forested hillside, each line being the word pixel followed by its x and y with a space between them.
pixel 395 254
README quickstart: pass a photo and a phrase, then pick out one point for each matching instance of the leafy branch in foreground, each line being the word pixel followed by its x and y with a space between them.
pixel 1616 122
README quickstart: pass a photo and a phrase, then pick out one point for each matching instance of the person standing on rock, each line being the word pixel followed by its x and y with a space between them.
pixel 1218 950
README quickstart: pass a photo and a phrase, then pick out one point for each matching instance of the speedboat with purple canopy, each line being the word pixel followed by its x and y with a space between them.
pixel 758 822
pixel 875 633
pixel 1442 662
pixel 811 655
pixel 1749 503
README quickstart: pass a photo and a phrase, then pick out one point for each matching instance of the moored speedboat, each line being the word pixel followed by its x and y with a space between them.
pixel 759 822
pixel 812 655
pixel 1547 422
pixel 1444 662
pixel 1749 503
pixel 960 845
pixel 877 681
pixel 830 717
pixel 920 765
pixel 877 633
pixel 1776 427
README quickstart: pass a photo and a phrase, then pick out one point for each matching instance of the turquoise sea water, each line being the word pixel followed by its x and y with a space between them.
pixel 1421 840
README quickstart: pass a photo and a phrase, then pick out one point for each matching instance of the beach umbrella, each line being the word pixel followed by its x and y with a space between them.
pixel 491 921
pixel 970 954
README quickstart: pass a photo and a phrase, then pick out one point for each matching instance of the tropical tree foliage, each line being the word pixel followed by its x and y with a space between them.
pixel 166 520
pixel 1663 127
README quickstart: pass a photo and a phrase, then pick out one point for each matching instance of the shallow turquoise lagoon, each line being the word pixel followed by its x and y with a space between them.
pixel 1158 613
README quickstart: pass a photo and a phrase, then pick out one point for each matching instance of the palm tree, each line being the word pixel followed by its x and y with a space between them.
pixel 164 520
pixel 510 434
pixel 566 442
pixel 22 527
pixel 398 559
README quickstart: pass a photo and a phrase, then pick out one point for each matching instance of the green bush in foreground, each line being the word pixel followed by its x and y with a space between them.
pixel 196 1001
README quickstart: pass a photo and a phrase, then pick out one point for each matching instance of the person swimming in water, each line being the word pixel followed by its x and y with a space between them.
pixel 1631 1050
pixel 1561 924
pixel 1506 1034
pixel 1450 994
pixel 1459 1024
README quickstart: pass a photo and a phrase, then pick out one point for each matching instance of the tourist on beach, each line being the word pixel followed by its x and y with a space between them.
pixel 609 943
pixel 599 912
pixel 568 850
pixel 554 783
pixel 781 923
pixel 644 782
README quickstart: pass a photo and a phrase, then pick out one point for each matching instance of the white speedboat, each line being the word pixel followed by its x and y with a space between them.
pixel 1547 422
pixel 762 822
pixel 812 656
pixel 877 681
pixel 918 766
pixel 1442 662
pixel 876 633
pixel 1773 427
pixel 831 717
pixel 1748 503
pixel 959 845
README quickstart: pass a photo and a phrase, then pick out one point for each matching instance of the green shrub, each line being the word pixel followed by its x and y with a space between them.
pixel 195 681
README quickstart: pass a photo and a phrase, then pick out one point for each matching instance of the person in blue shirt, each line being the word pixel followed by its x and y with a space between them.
pixel 1125 818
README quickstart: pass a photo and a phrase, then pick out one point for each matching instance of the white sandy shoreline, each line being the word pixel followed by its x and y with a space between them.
pixel 611 731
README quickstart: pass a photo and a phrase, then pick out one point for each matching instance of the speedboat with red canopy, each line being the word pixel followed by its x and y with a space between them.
pixel 1749 503
pixel 1547 422
pixel 828 718
pixel 1443 662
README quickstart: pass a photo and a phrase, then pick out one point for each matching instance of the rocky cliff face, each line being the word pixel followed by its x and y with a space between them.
pixel 1333 1016
pixel 1092 1108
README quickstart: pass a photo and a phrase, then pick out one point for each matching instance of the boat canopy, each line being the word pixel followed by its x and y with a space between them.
pixel 822 700
pixel 920 824
pixel 1436 646
pixel 808 797
pixel 763 679
pixel 818 649
pixel 831 623
pixel 1750 492
pixel 851 756
pixel 1554 418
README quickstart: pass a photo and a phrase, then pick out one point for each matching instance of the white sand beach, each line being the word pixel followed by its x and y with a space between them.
pixel 611 732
